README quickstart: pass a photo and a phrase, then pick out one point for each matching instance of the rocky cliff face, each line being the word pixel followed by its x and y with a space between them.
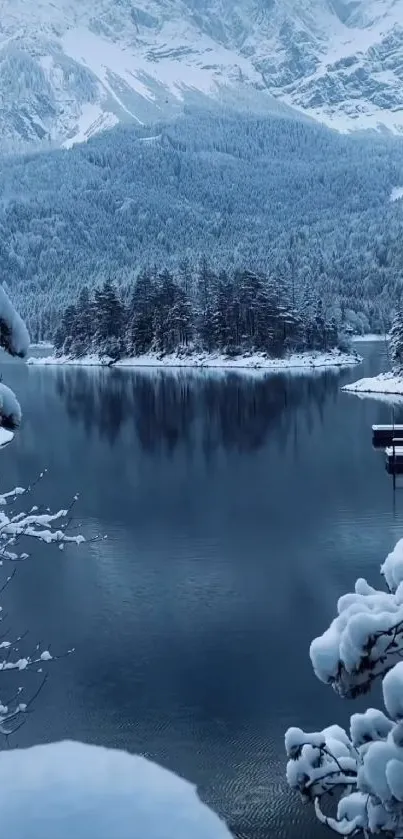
pixel 70 68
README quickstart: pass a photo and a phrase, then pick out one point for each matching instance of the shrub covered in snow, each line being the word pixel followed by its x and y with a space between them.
pixel 14 339
pixel 10 411
pixel 364 766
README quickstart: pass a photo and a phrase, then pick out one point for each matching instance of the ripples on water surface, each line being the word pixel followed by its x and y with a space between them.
pixel 237 510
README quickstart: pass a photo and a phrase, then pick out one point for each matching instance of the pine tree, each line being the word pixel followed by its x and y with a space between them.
pixel 164 328
pixel 319 336
pixel 109 321
pixel 396 341
pixel 222 314
pixel 64 335
pixel 206 283
pixel 249 286
pixel 83 325
pixel 140 321
pixel 185 275
pixel 182 319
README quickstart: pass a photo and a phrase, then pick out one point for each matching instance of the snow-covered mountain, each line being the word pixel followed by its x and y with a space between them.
pixel 69 68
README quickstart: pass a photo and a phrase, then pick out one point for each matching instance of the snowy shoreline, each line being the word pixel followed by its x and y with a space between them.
pixel 256 361
pixel 387 384
pixel 41 345
pixel 369 339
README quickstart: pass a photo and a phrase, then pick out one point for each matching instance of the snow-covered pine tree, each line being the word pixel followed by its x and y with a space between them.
pixel 396 341
pixel 165 299
pixel 206 283
pixel 222 316
pixel 83 329
pixel 185 277
pixel 182 319
pixel 140 316
pixel 248 288
pixel 109 321
pixel 65 333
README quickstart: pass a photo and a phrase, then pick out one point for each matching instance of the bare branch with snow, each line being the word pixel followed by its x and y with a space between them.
pixel 46 527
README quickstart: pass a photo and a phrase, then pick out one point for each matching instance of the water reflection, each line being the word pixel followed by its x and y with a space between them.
pixel 168 410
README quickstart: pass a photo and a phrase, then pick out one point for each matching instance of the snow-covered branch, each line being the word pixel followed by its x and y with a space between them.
pixel 366 638
pixel 365 766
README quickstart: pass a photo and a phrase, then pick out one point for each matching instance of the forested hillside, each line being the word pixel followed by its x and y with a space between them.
pixel 308 207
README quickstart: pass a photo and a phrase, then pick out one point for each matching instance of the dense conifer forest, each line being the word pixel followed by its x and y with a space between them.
pixel 291 200
pixel 165 313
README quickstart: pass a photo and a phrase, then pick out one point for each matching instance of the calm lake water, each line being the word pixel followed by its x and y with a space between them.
pixel 237 510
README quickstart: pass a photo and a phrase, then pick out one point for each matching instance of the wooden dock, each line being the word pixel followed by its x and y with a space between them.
pixel 394 457
pixel 383 435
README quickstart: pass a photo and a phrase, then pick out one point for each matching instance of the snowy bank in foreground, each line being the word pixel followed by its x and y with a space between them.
pixel 66 790
pixel 385 383
pixel 256 361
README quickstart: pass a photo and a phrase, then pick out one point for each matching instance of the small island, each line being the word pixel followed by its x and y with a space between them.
pixel 242 320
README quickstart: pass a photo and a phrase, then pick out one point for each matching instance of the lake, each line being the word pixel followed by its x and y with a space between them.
pixel 237 510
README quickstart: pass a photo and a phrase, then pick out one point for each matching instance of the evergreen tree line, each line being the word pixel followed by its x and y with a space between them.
pixel 229 313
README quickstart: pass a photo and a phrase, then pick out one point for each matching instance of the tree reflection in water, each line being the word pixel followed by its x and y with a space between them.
pixel 168 409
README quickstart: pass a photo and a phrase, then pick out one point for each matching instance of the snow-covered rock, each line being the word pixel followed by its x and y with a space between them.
pixel 66 790
pixel 69 69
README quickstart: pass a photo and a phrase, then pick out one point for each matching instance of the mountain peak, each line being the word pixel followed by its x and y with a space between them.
pixel 69 68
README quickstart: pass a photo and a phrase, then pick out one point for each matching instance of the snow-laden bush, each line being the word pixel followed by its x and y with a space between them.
pixel 14 339
pixel 10 411
pixel 363 767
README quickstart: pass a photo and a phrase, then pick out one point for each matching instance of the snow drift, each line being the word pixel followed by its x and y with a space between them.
pixel 66 790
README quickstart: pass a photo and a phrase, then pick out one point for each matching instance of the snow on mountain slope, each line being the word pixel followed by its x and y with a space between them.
pixel 69 68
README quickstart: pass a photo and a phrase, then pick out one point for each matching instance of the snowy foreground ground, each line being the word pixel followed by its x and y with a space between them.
pixel 257 361
pixel 386 384
pixel 66 790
